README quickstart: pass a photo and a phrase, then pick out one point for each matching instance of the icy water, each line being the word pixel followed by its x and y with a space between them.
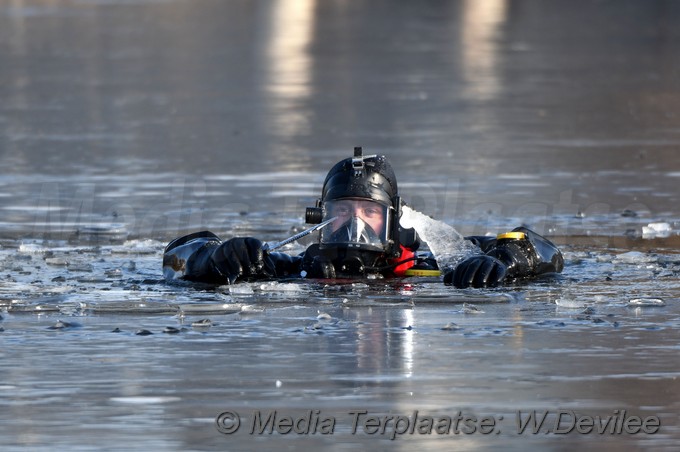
pixel 124 124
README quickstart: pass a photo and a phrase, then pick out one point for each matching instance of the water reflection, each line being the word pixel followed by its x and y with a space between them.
pixel 287 34
pixel 447 89
pixel 481 23
pixel 384 345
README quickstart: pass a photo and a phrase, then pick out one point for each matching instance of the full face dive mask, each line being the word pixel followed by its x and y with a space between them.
pixel 362 193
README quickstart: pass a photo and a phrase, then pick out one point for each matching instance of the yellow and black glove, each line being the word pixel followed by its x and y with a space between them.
pixel 518 254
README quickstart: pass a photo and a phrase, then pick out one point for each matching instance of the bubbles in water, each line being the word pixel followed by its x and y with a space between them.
pixel 445 243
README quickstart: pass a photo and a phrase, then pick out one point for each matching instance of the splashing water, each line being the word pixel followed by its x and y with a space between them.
pixel 446 244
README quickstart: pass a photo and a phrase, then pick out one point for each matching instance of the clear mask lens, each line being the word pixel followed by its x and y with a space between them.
pixel 359 223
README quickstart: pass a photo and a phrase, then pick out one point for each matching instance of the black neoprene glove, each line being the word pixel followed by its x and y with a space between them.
pixel 242 258
pixel 519 254
pixel 477 271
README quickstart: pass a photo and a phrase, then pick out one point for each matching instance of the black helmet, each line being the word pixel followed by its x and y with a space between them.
pixel 361 194
pixel 370 177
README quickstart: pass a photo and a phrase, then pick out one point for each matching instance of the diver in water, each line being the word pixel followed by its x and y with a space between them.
pixel 359 210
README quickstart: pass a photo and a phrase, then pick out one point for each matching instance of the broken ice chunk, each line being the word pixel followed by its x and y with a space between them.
pixel 652 230
pixel 646 302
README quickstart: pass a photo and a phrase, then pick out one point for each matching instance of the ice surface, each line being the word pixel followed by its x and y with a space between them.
pixel 646 302
pixel 57 261
pixel 570 303
pixel 660 229
pixel 469 308
pixel 446 244
pixel 31 248
pixel 241 289
pixel 144 400
pixel 275 286
pixel 251 309
pixel 139 247
pixel 634 257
